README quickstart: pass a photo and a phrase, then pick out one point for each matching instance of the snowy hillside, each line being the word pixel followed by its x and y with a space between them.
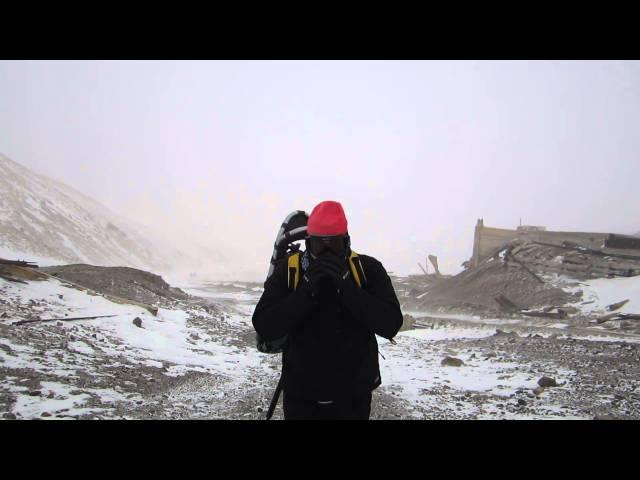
pixel 49 221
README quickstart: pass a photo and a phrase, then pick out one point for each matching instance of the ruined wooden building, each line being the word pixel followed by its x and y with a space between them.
pixel 577 254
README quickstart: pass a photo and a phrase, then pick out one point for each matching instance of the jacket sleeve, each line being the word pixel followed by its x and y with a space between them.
pixel 377 306
pixel 279 310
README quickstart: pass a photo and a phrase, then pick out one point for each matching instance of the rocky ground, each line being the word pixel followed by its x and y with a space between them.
pixel 197 360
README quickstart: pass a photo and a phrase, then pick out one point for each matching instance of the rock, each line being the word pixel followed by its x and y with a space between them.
pixel 51 395
pixel 547 382
pixel 4 315
pixel 45 414
pixel 35 393
pixel 451 362
pixel 137 322
pixel 9 416
pixel 522 402
pixel 195 336
pixel 490 355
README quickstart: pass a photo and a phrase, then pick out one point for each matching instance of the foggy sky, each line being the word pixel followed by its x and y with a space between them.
pixel 220 151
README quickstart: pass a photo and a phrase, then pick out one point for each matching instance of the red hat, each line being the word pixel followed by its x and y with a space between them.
pixel 327 218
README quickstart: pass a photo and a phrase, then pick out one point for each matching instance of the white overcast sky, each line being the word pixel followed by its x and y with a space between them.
pixel 416 151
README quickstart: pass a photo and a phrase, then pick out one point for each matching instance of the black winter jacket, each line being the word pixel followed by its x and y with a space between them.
pixel 331 352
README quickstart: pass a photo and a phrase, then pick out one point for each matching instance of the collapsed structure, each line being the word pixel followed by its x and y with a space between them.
pixel 577 254
pixel 525 272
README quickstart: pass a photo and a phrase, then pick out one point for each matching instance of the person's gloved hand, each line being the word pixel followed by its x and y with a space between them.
pixel 313 279
pixel 336 268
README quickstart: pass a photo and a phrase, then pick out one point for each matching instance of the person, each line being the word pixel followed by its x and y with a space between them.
pixel 330 358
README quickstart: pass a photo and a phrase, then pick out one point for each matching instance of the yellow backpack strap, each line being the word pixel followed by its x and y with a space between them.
pixel 293 263
pixel 356 269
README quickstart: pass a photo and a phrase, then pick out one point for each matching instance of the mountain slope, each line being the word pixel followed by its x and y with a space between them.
pixel 41 216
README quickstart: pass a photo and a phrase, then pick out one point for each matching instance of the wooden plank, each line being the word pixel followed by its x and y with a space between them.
pixel 66 319
pixel 616 306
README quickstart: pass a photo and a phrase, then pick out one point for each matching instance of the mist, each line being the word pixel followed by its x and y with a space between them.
pixel 215 154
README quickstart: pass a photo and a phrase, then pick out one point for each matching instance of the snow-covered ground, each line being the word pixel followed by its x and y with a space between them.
pixel 189 363
pixel 600 292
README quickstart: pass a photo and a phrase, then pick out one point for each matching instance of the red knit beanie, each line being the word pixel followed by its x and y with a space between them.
pixel 327 218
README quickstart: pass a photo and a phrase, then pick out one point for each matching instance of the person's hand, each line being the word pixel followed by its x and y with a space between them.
pixel 335 267
pixel 313 278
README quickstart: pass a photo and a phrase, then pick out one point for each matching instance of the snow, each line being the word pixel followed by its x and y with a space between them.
pixel 627 338
pixel 414 366
pixel 80 347
pixel 557 325
pixel 172 344
pixel 428 315
pixel 165 337
pixel 69 244
pixel 606 291
pixel 446 333
pixel 36 210
pixel 62 401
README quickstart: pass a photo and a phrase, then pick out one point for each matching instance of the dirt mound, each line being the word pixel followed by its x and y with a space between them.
pixel 124 282
pixel 477 288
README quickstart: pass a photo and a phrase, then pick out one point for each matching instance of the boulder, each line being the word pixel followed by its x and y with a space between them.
pixel 545 382
pixel 451 362
pixel 137 322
